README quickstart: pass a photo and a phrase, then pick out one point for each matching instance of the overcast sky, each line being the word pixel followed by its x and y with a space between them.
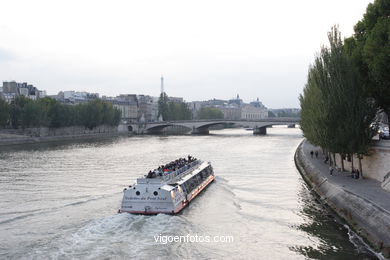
pixel 205 48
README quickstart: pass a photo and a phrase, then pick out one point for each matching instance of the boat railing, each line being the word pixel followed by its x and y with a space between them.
pixel 170 176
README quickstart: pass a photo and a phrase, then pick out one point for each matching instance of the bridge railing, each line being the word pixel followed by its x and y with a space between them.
pixel 271 119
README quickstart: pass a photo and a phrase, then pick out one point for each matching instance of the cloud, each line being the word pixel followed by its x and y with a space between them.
pixel 6 55
pixel 204 49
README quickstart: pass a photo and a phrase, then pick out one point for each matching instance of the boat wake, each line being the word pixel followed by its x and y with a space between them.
pixel 8 217
pixel 133 236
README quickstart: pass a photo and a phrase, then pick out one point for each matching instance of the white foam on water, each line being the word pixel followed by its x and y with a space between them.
pixel 360 245
pixel 117 236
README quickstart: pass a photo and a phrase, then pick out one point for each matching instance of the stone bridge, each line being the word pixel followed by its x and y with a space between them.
pixel 202 126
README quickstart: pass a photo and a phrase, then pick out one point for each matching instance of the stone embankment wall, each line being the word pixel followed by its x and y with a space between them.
pixel 45 134
pixel 367 219
pixel 71 130
pixel 376 165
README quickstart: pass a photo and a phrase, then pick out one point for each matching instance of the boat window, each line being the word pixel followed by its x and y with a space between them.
pixel 155 193
pixel 206 172
pixel 137 193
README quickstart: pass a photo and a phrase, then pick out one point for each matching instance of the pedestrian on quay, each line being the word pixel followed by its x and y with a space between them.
pixel 357 174
pixel 316 153
pixel 326 159
pixel 331 170
pixel 311 153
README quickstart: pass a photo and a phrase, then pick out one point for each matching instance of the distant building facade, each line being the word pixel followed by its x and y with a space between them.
pixel 135 108
pixel 249 112
pixel 195 107
pixel 75 97
pixel 233 109
pixel 176 99
pixel 128 105
pixel 13 89
pixel 231 112
pixel 145 107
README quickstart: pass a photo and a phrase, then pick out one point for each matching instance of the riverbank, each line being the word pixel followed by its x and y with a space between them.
pixel 45 135
pixel 363 204
pixel 18 140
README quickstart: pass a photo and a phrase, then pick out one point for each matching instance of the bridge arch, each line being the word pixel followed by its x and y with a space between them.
pixel 205 128
pixel 157 128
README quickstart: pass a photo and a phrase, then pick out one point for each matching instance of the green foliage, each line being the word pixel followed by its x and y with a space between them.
pixel 336 111
pixel 111 116
pixel 17 111
pixel 91 114
pixel 163 106
pixel 210 113
pixel 24 112
pixel 370 49
pixel 172 110
pixel 5 109
pixel 178 111
pixel 288 114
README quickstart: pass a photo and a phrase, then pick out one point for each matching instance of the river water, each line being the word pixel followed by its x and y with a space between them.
pixel 59 201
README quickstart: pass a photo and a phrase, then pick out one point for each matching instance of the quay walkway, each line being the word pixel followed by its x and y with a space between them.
pixel 366 188
pixel 362 203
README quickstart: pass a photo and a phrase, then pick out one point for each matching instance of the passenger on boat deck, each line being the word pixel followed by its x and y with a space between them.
pixel 172 166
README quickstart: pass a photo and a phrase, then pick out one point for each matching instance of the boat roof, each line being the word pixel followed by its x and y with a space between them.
pixel 167 187
pixel 173 176
pixel 193 173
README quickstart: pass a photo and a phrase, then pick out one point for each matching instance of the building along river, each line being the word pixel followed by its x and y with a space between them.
pixel 60 201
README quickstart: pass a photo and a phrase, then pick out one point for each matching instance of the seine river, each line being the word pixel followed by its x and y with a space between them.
pixel 60 201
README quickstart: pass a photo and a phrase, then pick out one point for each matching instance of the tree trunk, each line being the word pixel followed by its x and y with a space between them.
pixel 334 159
pixel 360 166
pixel 351 162
pixel 342 162
pixel 330 158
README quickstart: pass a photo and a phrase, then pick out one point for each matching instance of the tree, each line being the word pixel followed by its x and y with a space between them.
pixel 172 110
pixel 336 112
pixel 57 114
pixel 32 114
pixel 111 115
pixel 5 109
pixel 46 105
pixel 16 110
pixel 313 112
pixel 25 112
pixel 117 117
pixel 210 113
pixel 178 111
pixel 163 106
pixel 369 48
pixel 91 114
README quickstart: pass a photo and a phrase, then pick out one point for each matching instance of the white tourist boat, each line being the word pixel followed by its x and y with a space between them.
pixel 169 188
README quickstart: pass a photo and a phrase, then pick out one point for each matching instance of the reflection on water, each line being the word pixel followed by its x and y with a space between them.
pixel 334 241
pixel 59 201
